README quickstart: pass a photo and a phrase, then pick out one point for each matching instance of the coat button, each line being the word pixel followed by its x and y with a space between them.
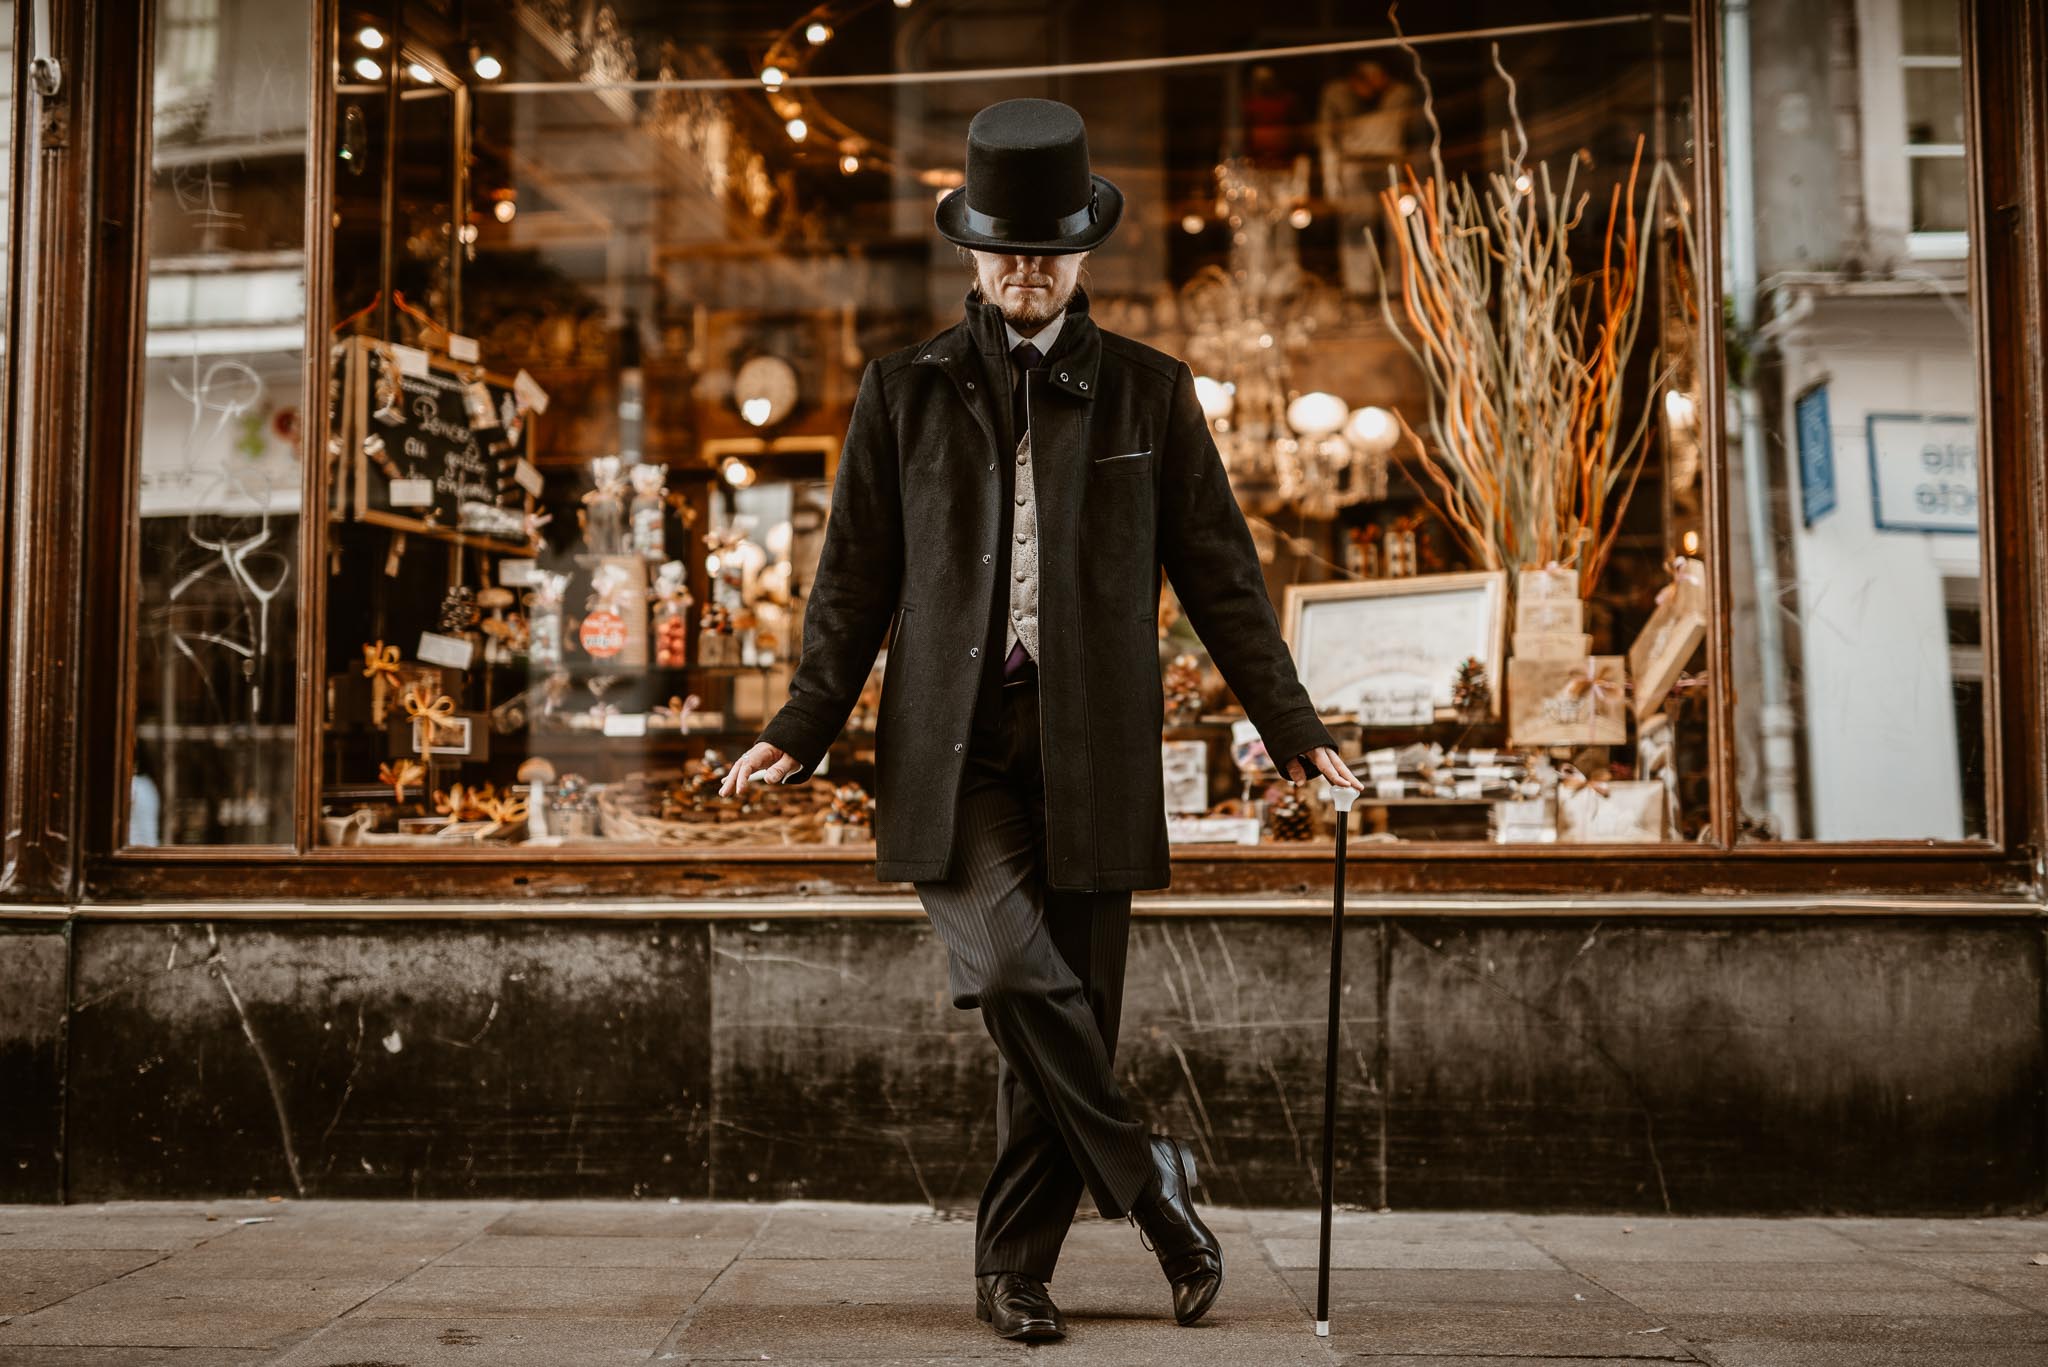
pixel 974 652
pixel 958 747
pixel 1084 384
pixel 986 558
pixel 1063 374
pixel 970 384
pixel 991 465
pixel 1020 500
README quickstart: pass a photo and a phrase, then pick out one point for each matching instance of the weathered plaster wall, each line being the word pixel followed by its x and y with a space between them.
pixel 1792 1064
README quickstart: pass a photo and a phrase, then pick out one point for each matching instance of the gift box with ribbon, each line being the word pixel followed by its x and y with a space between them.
pixel 1671 635
pixel 1603 811
pixel 1567 702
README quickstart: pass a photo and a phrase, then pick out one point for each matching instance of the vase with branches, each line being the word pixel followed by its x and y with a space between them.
pixel 1533 451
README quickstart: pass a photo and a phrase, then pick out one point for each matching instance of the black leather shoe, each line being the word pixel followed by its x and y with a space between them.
pixel 1018 1307
pixel 1188 1253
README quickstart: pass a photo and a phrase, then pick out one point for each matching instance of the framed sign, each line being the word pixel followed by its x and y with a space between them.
pixel 444 435
pixel 1923 472
pixel 1816 455
pixel 1387 651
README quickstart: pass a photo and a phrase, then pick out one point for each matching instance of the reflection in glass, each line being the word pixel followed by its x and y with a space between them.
pixel 598 346
pixel 1853 451
pixel 220 437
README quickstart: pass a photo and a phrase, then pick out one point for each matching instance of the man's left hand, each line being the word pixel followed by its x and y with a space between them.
pixel 1333 769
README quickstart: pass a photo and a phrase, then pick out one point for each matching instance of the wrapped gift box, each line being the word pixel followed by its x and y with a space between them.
pixel 1669 638
pixel 1610 813
pixel 1567 702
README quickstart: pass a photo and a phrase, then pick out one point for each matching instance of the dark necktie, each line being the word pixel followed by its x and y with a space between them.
pixel 1027 358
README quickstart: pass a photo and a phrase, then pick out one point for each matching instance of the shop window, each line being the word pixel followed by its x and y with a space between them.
pixel 603 286
pixel 1853 446
pixel 220 429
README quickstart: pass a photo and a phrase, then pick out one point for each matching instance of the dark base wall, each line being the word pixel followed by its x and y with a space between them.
pixel 1741 1065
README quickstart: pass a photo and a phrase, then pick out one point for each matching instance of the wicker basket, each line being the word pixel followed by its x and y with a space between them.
pixel 624 814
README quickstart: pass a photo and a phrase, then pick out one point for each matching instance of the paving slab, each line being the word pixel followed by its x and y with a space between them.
pixel 641 1219
pixel 31 1278
pixel 1869 1355
pixel 1570 1238
pixel 136 1356
pixel 161 1307
pixel 439 1291
pixel 1582 1331
pixel 1871 1272
pixel 592 1250
pixel 2029 1234
pixel 1897 1330
pixel 2008 1274
pixel 1357 1251
pixel 1452 1286
pixel 470 1340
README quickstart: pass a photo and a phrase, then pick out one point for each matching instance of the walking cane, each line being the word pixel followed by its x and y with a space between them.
pixel 1342 798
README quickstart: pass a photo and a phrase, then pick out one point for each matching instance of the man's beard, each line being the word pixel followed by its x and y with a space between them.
pixel 1034 313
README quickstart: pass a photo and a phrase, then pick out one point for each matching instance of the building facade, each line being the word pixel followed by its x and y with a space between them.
pixel 421 425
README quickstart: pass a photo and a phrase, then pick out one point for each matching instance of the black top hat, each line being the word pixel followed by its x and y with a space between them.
pixel 1029 191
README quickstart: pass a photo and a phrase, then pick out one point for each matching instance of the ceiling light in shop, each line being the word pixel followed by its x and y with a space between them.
pixel 902 4
pixel 772 77
pixel 818 32
pixel 737 473
pixel 370 37
pixel 1407 205
pixel 1317 414
pixel 1372 429
pixel 506 205
pixel 487 66
pixel 419 73
pixel 1299 218
pixel 756 410
pixel 849 163
pixel 368 69
pixel 1216 398
pixel 797 129
pixel 1192 224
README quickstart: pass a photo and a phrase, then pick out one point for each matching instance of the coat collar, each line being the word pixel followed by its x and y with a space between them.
pixel 1070 367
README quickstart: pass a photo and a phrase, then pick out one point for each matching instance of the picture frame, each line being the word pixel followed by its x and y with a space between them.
pixel 1386 652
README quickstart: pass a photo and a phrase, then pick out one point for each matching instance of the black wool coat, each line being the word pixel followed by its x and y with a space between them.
pixel 1127 480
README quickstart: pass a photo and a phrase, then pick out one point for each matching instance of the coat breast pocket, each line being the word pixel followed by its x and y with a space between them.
pixel 1120 463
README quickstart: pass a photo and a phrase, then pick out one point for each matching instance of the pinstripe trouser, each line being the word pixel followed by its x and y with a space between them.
pixel 1046 968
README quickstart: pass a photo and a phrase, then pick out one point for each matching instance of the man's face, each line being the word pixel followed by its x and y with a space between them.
pixel 1030 290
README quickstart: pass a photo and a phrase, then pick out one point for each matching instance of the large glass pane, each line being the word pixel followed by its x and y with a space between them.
pixel 1853 439
pixel 568 586
pixel 221 426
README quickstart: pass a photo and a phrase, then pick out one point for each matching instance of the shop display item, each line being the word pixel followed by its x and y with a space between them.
pixel 649 509
pixel 1597 811
pixel 1183 684
pixel 1675 630
pixel 1567 702
pixel 604 507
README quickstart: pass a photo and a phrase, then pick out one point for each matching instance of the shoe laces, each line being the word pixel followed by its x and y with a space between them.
pixel 1143 1237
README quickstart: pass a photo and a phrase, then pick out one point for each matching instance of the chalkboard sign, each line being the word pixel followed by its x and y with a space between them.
pixel 417 454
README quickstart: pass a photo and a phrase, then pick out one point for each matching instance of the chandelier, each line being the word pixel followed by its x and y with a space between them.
pixel 1247 323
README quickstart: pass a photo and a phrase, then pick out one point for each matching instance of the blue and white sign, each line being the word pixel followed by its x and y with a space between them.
pixel 1923 472
pixel 1816 455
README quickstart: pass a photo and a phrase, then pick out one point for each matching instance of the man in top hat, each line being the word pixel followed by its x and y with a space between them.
pixel 1007 495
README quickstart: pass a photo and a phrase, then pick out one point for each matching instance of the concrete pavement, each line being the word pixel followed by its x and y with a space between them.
pixel 569 1283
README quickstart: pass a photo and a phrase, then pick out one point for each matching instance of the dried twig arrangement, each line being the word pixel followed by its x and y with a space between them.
pixel 1531 453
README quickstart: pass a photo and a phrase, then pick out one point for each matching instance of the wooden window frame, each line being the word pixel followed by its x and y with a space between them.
pixel 100 199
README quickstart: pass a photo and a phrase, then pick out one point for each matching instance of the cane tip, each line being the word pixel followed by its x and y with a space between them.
pixel 1322 1329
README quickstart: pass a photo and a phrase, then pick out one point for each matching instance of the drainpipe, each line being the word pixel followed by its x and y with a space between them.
pixel 1781 771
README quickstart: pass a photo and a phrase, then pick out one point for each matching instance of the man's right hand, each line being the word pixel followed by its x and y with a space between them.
pixel 770 762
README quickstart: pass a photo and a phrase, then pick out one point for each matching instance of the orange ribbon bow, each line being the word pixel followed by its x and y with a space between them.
pixel 401 774
pixel 380 659
pixel 435 710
